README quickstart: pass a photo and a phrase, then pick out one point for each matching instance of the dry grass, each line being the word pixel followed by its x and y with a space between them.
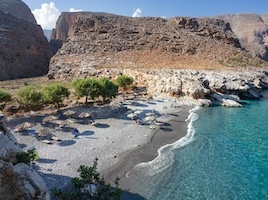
pixel 13 85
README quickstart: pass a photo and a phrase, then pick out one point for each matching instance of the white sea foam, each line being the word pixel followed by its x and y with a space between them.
pixel 165 156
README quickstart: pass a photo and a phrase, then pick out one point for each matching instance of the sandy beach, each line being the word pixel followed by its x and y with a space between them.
pixel 118 142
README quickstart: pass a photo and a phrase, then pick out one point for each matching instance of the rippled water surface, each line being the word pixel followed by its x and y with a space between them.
pixel 227 158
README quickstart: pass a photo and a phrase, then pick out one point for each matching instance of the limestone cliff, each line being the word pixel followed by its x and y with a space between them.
pixel 24 50
pixel 18 180
pixel 103 40
pixel 202 86
pixel 252 31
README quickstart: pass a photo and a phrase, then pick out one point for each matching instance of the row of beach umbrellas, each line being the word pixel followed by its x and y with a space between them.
pixel 54 119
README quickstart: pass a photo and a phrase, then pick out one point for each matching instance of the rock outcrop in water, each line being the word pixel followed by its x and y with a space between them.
pixel 24 50
pixel 18 180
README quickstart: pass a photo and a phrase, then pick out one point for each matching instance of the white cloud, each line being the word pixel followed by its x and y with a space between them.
pixel 75 10
pixel 47 15
pixel 137 13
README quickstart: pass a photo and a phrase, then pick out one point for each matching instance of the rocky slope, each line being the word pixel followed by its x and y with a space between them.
pixel 103 40
pixel 65 23
pixel 252 31
pixel 24 50
pixel 203 87
pixel 18 181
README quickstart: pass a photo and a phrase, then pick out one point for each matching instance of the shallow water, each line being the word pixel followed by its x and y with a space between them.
pixel 226 158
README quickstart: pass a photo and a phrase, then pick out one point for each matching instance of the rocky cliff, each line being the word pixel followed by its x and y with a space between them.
pixel 252 31
pixel 203 87
pixel 18 180
pixel 102 40
pixel 18 9
pixel 65 23
pixel 24 50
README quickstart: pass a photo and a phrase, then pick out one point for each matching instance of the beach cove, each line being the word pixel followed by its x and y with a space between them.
pixel 112 140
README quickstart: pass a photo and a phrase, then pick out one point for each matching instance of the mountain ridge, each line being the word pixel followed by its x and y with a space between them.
pixel 100 40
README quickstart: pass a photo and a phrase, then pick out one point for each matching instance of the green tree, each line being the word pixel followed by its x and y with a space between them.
pixel 108 89
pixel 29 96
pixel 124 81
pixel 90 175
pixel 4 96
pixel 55 94
pixel 86 87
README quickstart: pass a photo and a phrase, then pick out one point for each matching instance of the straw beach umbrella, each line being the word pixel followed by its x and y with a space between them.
pixel 47 134
pixel 84 115
pixel 24 126
pixel 69 113
pixel 49 118
pixel 61 123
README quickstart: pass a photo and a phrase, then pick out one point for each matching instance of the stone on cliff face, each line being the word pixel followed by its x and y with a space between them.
pixel 28 179
pixel 25 52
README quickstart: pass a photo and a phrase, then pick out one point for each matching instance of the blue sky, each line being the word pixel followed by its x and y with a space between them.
pixel 50 10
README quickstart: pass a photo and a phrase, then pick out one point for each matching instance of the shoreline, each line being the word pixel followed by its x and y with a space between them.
pixel 113 140
pixel 176 129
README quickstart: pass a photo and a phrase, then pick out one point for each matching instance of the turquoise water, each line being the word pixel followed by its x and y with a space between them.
pixel 227 158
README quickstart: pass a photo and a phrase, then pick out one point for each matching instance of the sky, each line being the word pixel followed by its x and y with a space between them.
pixel 47 12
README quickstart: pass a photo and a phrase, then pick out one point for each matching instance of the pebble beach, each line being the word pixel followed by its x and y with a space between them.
pixel 112 140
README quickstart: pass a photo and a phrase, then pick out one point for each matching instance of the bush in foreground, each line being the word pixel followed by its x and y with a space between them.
pixel 90 186
pixel 26 157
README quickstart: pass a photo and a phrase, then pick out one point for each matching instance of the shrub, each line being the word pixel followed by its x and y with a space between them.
pixel 26 157
pixel 108 89
pixel 86 87
pixel 4 96
pixel 89 175
pixel 124 81
pixel 29 96
pixel 54 94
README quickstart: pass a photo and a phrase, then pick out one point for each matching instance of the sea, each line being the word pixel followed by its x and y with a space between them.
pixel 223 156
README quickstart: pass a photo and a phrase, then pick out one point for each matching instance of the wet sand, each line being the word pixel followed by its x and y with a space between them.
pixel 169 133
